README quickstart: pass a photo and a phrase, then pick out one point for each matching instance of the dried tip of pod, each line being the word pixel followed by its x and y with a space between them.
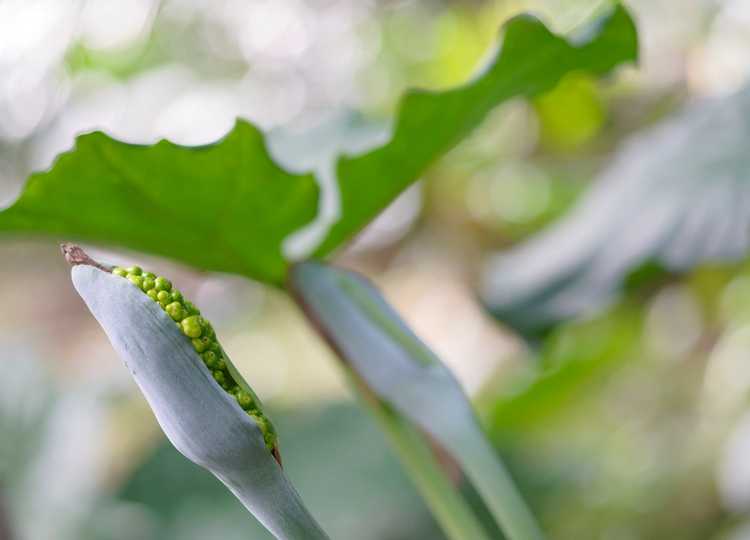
pixel 75 256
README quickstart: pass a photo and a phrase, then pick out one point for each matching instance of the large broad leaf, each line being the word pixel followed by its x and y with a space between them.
pixel 673 198
pixel 229 206
pixel 398 371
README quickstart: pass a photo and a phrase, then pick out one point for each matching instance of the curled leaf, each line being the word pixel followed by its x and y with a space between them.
pixel 398 368
pixel 203 421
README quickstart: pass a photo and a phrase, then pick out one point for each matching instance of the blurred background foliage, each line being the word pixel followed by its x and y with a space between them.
pixel 629 423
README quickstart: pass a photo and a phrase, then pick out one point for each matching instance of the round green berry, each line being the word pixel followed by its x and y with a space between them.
pixel 205 343
pixel 152 295
pixel 208 330
pixel 210 359
pixel 148 284
pixel 162 284
pixel 198 344
pixel 175 311
pixel 148 275
pixel 269 433
pixel 191 326
pixel 120 271
pixel 177 297
pixel 245 400
pixel 135 270
pixel 135 280
pixel 220 378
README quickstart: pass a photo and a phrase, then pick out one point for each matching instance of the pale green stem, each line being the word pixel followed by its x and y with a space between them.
pixel 450 509
pixel 493 482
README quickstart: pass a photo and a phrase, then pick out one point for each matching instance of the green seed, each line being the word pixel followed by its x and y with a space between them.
pixel 162 284
pixel 120 272
pixel 135 280
pixel 203 343
pixel 148 284
pixel 219 377
pixel 177 297
pixel 208 329
pixel 269 433
pixel 245 400
pixel 148 275
pixel 163 298
pixel 191 326
pixel 175 311
pixel 135 270
pixel 198 344
pixel 210 359
pixel 192 309
pixel 152 295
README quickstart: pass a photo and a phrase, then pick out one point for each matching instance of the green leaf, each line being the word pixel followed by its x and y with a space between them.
pixel 224 207
pixel 531 60
pixel 230 206
pixel 573 359
pixel 673 198
pixel 398 369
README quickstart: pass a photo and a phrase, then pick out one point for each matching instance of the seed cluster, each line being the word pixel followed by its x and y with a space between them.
pixel 203 338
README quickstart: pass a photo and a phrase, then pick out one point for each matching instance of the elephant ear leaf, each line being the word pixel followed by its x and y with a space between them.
pixel 235 206
pixel 673 198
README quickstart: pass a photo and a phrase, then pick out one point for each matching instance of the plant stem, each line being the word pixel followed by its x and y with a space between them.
pixel 450 509
pixel 5 529
pixel 493 482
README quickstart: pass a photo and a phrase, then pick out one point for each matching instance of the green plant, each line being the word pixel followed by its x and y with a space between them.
pixel 248 210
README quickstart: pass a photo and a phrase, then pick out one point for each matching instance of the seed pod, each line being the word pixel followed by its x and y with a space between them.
pixel 201 419
pixel 193 326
